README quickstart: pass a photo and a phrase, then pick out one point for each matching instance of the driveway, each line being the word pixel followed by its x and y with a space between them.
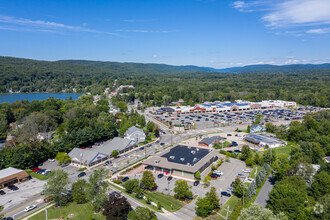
pixel 265 190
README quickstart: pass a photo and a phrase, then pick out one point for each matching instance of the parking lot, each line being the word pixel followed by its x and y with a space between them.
pixel 212 119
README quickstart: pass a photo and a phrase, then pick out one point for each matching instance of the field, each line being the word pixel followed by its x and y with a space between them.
pixel 166 201
pixel 80 211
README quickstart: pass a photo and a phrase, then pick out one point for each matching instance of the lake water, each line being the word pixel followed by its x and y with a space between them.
pixel 36 96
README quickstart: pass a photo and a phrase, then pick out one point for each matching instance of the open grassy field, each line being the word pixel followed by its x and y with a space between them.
pixel 80 211
pixel 166 201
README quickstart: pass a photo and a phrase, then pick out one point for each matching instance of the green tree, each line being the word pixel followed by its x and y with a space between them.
pixel 114 153
pixel 57 187
pixel 251 191
pixel 207 180
pixel 197 175
pixel 246 152
pixel 147 180
pixel 96 188
pixel 141 213
pixel 132 185
pixel 248 129
pixel 182 190
pixel 167 99
pixel 238 187
pixel 203 207
pixel 289 196
pixel 320 185
pixel 79 191
pixel 257 212
pixel 62 158
pixel 212 196
pixel 150 126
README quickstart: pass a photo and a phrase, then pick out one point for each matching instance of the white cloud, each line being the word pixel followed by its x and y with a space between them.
pixel 143 31
pixel 46 26
pixel 292 17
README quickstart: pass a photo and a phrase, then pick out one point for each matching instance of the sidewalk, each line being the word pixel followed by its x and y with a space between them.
pixel 40 210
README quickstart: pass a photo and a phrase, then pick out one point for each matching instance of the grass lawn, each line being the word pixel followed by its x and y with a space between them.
pixel 244 130
pixel 252 174
pixel 80 211
pixel 166 201
pixel 232 202
pixel 36 175
pixel 285 151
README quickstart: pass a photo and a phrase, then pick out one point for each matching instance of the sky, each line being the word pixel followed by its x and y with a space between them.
pixel 212 33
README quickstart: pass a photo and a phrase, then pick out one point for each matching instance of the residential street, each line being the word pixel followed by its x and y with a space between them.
pixel 265 190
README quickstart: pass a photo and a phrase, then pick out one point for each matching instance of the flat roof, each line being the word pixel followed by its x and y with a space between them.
pixel 185 155
pixel 9 171
pixel 257 138
pixel 189 163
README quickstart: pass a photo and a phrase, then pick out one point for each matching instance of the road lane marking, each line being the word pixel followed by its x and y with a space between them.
pixel 23 206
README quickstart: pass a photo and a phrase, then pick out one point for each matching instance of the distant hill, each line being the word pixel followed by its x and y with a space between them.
pixel 264 68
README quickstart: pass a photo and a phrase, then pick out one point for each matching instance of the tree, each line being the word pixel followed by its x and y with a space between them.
pixel 257 159
pixel 150 126
pixel 182 190
pixel 257 212
pixel 57 187
pixel 246 152
pixel 116 208
pixel 248 129
pixel 148 180
pixel 203 207
pixel 270 127
pixel 114 153
pixel 212 196
pixel 320 185
pixel 141 213
pixel 289 196
pixel 197 175
pixel 157 131
pixel 238 187
pixel 79 191
pixel 62 158
pixel 166 99
pixel 251 191
pixel 322 208
pixel 257 119
pixel 249 161
pixel 207 180
pixel 96 188
pixel 132 185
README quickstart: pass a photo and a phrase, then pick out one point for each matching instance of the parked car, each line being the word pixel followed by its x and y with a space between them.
pixel 196 183
pixel 41 171
pixel 125 179
pixel 30 207
pixel 228 134
pixel 2 192
pixel 154 188
pixel 141 148
pixel 106 163
pixel 230 189
pixel 169 178
pixel 36 169
pixel 214 176
pixel 13 187
pixel 218 172
pixel 160 175
pixel 7 218
pixel 246 171
pixel 241 175
pixel 81 174
pixel 224 193
pixel 248 180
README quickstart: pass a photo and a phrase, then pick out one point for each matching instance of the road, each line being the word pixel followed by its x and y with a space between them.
pixel 265 190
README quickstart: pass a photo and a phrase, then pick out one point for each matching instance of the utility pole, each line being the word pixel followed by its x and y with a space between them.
pixel 227 212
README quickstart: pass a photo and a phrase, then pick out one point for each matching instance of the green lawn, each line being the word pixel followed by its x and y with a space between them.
pixel 284 151
pixel 80 211
pixel 232 202
pixel 166 201
pixel 252 174
pixel 36 175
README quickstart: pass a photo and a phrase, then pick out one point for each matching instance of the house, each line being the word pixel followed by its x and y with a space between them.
pixel 86 157
pixel 257 128
pixel 135 134
pixel 120 144
pixel 210 141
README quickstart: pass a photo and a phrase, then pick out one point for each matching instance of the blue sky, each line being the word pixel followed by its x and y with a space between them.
pixel 214 33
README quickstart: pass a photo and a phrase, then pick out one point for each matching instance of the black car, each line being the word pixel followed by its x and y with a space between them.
pixel 12 187
pixel 169 178
pixel 196 183
pixel 125 179
pixel 106 163
pixel 2 192
pixel 81 174
pixel 160 175
pixel 224 193
pixel 7 218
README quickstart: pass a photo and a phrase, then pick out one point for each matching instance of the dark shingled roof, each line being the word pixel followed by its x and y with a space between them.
pixel 211 140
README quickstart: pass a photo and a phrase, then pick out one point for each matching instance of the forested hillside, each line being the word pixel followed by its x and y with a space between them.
pixel 153 81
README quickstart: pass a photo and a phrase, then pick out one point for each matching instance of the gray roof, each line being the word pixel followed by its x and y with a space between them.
pixel 210 140
pixel 256 126
pixel 115 144
pixel 257 138
pixel 9 171
pixel 132 130
pixel 164 163
pixel 86 156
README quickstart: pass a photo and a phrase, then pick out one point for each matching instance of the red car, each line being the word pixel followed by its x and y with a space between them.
pixel 36 169
pixel 154 188
pixel 214 176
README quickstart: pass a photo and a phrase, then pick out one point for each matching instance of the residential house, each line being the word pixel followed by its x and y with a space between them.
pixel 135 134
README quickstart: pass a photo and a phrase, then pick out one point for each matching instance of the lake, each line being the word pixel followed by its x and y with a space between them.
pixel 36 96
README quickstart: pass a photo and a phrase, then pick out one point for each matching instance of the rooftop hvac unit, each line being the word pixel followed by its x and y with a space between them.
pixel 195 159
pixel 188 164
pixel 182 158
pixel 172 157
pixel 193 152
pixel 156 161
pixel 197 149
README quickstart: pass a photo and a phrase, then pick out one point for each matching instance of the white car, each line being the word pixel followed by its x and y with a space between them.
pixel 246 171
pixel 30 207
pixel 248 180
pixel 218 172
pixel 51 159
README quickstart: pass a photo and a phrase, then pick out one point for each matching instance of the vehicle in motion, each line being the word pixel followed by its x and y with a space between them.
pixel 30 207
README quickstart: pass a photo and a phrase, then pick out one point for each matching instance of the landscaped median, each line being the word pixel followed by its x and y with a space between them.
pixel 36 175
